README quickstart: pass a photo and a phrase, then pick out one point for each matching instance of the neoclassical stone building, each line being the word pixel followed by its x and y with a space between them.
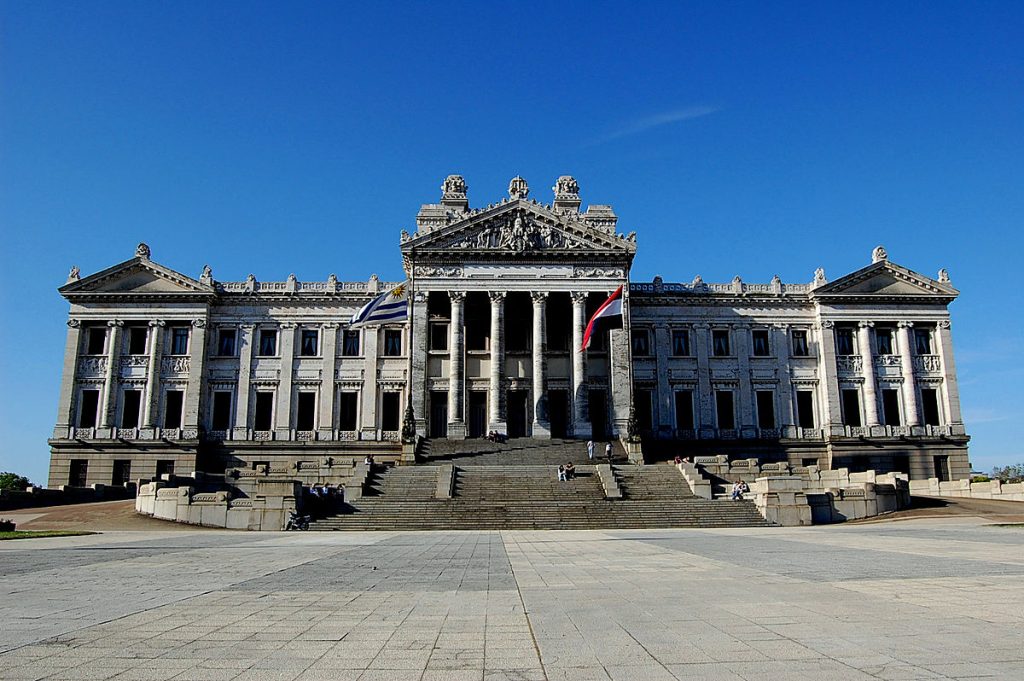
pixel 164 373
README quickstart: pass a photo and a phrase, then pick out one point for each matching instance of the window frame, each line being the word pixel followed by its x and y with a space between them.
pixel 798 338
pixel 887 333
pixel 644 336
pixel 133 335
pixel 351 335
pixel 723 334
pixel 263 336
pixel 221 339
pixel 390 337
pixel 755 334
pixel 684 334
pixel 176 334
pixel 96 332
pixel 923 336
pixel 304 336
pixel 439 330
pixel 844 335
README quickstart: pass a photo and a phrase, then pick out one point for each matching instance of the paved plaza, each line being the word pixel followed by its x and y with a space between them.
pixel 921 599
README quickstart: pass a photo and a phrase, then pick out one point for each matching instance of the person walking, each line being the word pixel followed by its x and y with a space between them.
pixel 590 449
pixel 608 451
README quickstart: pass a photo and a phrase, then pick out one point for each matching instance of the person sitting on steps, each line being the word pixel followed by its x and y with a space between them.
pixel 739 489
pixel 561 473
pixel 570 471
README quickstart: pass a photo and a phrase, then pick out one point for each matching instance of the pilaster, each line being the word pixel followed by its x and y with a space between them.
pixel 951 389
pixel 329 352
pixel 540 420
pixel 911 411
pixel 66 401
pixel 457 375
pixel 370 344
pixel 110 385
pixel 283 417
pixel 495 417
pixel 152 404
pixel 246 347
pixel 828 377
pixel 661 416
pixel 420 339
pixel 867 357
pixel 706 402
pixel 785 397
pixel 581 426
pixel 196 376
pixel 747 425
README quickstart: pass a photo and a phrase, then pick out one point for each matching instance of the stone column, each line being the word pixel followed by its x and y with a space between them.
pixel 420 340
pixel 283 417
pixel 495 415
pixel 196 383
pixel 706 398
pixel 944 340
pixel 662 408
pixel 540 417
pixel 329 352
pixel 110 386
pixel 369 344
pixel 150 414
pixel 912 413
pixel 581 427
pixel 457 369
pixel 828 380
pixel 66 403
pixel 746 425
pixel 785 398
pixel 867 358
pixel 246 348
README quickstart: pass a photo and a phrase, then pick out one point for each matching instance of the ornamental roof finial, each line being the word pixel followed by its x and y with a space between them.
pixel 142 251
pixel 517 188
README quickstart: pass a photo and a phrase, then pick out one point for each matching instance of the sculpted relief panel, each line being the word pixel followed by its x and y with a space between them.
pixel 516 233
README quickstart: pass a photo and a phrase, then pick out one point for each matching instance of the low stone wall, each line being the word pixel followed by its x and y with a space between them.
pixel 994 489
pixel 823 497
pixel 65 494
pixel 699 485
pixel 267 509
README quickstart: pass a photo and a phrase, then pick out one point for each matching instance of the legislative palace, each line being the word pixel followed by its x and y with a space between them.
pixel 167 373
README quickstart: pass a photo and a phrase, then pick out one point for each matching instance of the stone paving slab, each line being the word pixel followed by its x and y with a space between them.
pixel 924 600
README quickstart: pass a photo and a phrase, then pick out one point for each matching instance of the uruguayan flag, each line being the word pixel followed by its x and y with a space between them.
pixel 392 306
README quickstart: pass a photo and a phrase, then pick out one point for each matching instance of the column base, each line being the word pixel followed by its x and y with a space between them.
pixel 541 431
pixel 499 426
pixel 582 430
pixel 456 430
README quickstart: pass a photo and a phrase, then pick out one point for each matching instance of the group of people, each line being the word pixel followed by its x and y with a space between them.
pixel 322 498
pixel 495 436
pixel 739 488
pixel 607 450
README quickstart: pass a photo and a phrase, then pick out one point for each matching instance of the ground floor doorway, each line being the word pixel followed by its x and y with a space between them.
pixel 598 413
pixel 517 413
pixel 477 425
pixel 438 413
pixel 558 412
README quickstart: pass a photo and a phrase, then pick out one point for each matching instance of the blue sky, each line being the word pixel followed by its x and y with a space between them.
pixel 735 138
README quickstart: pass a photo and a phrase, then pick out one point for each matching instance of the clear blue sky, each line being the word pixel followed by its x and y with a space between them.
pixel 735 138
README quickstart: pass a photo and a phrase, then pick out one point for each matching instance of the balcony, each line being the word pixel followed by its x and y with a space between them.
pixel 849 365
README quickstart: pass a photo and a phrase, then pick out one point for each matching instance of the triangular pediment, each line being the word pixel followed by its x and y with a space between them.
pixel 520 227
pixel 886 279
pixel 137 276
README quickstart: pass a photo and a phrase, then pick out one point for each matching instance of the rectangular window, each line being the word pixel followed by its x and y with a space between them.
pixel 930 406
pixel 226 342
pixel 268 343
pixel 923 341
pixel 87 408
pixel 851 407
pixel 724 409
pixel 164 467
pixel 348 410
pixel 179 340
pixel 805 408
pixel 765 408
pixel 137 340
pixel 95 340
pixel 392 342
pixel 941 463
pixel 122 473
pixel 174 400
pixel 760 340
pixel 308 343
pixel 78 475
pixel 221 417
pixel 263 411
pixel 350 346
pixel 891 407
pixel 439 336
pixel 684 409
pixel 844 341
pixel 800 343
pixel 884 340
pixel 390 412
pixel 641 343
pixel 720 342
pixel 680 343
pixel 132 399
pixel 305 415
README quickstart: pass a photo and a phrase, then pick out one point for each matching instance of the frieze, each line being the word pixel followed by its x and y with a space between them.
pixel 176 365
pixel 92 366
pixel 850 364
pixel 517 233
pixel 930 363
pixel 599 272
pixel 440 271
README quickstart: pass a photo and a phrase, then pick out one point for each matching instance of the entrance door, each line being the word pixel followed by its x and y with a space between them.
pixel 558 412
pixel 942 468
pixel 517 413
pixel 438 413
pixel 598 401
pixel 477 426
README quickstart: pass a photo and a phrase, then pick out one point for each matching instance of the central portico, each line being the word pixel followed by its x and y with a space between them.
pixel 501 297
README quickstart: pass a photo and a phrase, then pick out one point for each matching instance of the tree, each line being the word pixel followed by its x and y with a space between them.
pixel 13 481
pixel 1014 473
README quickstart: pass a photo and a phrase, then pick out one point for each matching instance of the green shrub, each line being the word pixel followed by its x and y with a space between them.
pixel 13 481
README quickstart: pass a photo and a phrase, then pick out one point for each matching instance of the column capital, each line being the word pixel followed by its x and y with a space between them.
pixel 327 326
pixel 497 296
pixel 905 325
pixel 457 296
pixel 781 326
pixel 247 326
pixel 199 323
pixel 866 324
pixel 827 324
pixel 115 322
pixel 538 297
pixel 579 297
pixel 288 325
pixel 943 324
pixel 702 325
pixel 157 322
pixel 74 323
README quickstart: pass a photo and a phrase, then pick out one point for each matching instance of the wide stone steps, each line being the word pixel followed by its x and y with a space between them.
pixel 521 451
pixel 652 482
pixel 526 483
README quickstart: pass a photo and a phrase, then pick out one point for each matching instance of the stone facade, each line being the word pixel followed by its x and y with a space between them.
pixel 165 373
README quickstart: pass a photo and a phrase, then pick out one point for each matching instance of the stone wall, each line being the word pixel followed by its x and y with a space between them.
pixel 266 509
pixel 823 497
pixel 993 489
pixel 65 494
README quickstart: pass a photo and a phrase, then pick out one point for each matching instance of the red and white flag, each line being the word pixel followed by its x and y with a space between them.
pixel 606 317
